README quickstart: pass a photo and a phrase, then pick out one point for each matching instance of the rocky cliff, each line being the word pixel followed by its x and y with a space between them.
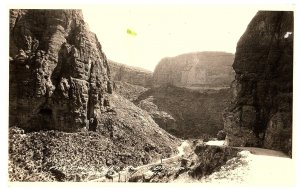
pixel 66 124
pixel 201 69
pixel 261 112
pixel 129 74
pixel 58 72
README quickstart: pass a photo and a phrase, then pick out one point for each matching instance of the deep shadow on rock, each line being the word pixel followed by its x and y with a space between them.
pixel 186 113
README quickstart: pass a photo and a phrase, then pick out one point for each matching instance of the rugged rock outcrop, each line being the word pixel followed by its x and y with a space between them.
pixel 130 74
pixel 70 125
pixel 211 158
pixel 261 112
pixel 201 69
pixel 58 72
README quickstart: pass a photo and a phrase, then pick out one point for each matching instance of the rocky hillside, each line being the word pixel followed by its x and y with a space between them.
pixel 130 74
pixel 126 136
pixel 129 91
pixel 66 124
pixel 186 113
pixel 261 113
pixel 201 69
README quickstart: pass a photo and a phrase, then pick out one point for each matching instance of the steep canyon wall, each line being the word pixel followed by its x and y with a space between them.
pixel 261 112
pixel 59 76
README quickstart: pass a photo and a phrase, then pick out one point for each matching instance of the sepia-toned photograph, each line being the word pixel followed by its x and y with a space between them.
pixel 151 93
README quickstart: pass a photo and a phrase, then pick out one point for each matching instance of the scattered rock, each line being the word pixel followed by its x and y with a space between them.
pixel 148 175
pixel 136 178
pixel 221 135
pixel 110 175
pixel 157 168
pixel 58 174
pixel 131 169
pixel 185 162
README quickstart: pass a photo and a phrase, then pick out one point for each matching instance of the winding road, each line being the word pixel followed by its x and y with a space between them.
pixel 262 167
pixel 122 176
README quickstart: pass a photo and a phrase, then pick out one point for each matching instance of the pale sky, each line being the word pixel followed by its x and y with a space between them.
pixel 165 30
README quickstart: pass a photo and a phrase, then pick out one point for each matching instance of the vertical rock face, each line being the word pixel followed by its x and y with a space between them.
pixel 261 112
pixel 129 74
pixel 203 69
pixel 59 76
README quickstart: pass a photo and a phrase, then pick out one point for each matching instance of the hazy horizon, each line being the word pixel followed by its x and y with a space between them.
pixel 165 30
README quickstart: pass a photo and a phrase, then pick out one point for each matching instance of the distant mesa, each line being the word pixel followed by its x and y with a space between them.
pixel 199 69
